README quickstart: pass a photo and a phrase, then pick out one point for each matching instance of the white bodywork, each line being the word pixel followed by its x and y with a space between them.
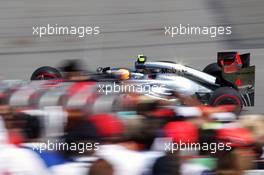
pixel 181 68
pixel 176 80
pixel 182 84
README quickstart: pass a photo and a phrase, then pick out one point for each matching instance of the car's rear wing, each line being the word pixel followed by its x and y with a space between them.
pixel 231 58
pixel 236 69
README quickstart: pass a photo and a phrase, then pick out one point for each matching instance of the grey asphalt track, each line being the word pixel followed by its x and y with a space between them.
pixel 128 27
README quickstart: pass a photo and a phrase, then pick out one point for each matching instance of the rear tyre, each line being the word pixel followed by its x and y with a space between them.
pixel 227 96
pixel 216 71
pixel 46 73
pixel 213 69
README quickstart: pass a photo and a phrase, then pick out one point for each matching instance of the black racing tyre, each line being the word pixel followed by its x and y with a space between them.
pixel 216 71
pixel 227 96
pixel 46 73
pixel 213 69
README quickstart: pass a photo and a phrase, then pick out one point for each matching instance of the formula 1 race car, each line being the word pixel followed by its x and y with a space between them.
pixel 231 80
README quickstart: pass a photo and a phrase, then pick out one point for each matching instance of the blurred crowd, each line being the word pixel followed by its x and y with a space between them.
pixel 69 128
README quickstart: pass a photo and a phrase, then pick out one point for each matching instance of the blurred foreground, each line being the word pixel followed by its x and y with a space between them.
pixel 56 127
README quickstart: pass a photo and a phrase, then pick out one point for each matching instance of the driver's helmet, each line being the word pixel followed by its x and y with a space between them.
pixel 122 74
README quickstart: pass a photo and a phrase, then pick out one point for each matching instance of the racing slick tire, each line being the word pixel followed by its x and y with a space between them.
pixel 216 71
pixel 46 73
pixel 227 96
pixel 213 69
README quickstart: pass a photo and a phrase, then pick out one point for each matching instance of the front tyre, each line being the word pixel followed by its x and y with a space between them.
pixel 46 73
pixel 227 96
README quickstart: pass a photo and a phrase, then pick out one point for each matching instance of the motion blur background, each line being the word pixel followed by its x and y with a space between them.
pixel 128 27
